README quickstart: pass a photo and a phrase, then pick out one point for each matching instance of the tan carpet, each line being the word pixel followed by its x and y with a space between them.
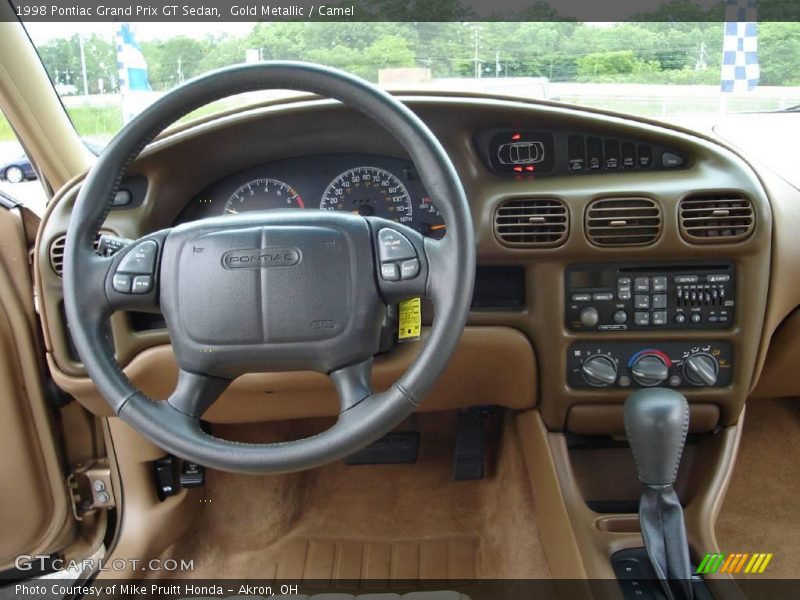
pixel 390 521
pixel 761 512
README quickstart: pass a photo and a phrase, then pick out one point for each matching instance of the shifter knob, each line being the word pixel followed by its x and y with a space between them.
pixel 656 422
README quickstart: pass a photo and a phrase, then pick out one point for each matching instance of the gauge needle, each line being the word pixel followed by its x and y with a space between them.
pixel 438 227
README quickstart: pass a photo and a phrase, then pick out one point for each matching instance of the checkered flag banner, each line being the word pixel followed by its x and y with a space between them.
pixel 740 70
pixel 130 62
pixel 134 85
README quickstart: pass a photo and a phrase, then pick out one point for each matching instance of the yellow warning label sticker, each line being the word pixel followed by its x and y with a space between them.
pixel 410 320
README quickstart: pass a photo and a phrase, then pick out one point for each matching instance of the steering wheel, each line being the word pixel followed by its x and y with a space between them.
pixel 270 291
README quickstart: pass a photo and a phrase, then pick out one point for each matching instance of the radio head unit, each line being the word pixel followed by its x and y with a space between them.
pixel 635 297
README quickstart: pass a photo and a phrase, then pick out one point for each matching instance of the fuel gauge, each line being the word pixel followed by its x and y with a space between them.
pixel 428 219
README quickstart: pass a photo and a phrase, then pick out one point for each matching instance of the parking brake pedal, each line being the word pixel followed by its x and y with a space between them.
pixel 468 459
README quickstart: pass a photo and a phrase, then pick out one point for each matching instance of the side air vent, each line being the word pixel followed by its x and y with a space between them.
pixel 623 222
pixel 532 223
pixel 57 252
pixel 716 219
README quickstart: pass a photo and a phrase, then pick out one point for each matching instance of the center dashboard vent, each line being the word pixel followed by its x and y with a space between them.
pixel 57 252
pixel 716 219
pixel 532 223
pixel 623 222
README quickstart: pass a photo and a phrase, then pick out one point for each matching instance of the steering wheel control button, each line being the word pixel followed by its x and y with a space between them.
pixel 142 284
pixel 393 245
pixel 409 269
pixel 390 272
pixel 141 260
pixel 121 283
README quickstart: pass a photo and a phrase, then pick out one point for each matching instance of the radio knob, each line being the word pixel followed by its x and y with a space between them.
pixel 589 316
pixel 701 369
pixel 650 370
pixel 599 370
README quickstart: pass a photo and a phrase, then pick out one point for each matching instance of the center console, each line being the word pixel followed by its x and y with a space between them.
pixel 631 297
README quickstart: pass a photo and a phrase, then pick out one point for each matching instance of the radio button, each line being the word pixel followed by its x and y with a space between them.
pixel 680 318
pixel 620 317
pixel 660 301
pixel 685 279
pixel 589 316
pixel 660 284
pixel 641 301
pixel 581 297
pixel 696 317
pixel 602 297
pixel 641 318
pixel 660 317
pixel 641 284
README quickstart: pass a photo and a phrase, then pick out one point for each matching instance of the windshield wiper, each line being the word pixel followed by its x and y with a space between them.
pixel 795 108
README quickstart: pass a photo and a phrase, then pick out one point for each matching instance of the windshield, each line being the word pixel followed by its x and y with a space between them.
pixel 106 72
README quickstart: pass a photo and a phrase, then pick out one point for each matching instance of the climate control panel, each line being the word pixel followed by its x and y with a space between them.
pixel 632 364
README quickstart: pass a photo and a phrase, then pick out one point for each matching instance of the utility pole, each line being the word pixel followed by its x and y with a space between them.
pixel 477 60
pixel 701 64
pixel 83 66
pixel 497 68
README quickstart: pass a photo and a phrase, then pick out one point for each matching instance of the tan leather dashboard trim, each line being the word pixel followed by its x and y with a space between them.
pixel 492 365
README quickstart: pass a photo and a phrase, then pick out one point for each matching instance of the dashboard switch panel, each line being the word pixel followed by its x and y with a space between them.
pixel 636 297
pixel 692 364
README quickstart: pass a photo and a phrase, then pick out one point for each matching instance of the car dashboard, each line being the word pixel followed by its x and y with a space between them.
pixel 613 253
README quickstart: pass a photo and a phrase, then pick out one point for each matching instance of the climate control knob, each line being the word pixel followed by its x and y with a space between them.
pixel 650 370
pixel 599 370
pixel 701 369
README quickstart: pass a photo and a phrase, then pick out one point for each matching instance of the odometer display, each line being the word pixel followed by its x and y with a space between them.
pixel 263 194
pixel 369 191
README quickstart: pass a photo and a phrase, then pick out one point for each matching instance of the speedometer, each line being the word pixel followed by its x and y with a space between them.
pixel 263 194
pixel 369 191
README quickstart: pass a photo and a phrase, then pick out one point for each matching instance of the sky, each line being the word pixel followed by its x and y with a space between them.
pixel 43 32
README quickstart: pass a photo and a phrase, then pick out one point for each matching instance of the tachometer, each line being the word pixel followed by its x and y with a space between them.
pixel 369 191
pixel 263 194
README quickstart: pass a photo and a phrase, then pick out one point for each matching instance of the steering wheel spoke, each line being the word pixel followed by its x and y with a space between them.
pixel 132 277
pixel 195 393
pixel 353 384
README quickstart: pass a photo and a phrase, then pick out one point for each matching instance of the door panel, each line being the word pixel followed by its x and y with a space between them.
pixel 35 511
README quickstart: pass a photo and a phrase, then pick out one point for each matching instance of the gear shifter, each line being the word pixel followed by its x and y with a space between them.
pixel 656 422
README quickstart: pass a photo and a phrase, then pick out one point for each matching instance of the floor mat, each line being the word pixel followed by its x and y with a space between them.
pixel 452 559
pixel 763 502
pixel 382 521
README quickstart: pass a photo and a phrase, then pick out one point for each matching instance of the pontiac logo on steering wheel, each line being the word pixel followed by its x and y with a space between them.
pixel 260 258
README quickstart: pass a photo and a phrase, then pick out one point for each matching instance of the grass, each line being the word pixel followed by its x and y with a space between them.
pixel 90 121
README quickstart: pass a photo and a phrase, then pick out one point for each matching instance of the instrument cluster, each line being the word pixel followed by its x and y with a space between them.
pixel 367 185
